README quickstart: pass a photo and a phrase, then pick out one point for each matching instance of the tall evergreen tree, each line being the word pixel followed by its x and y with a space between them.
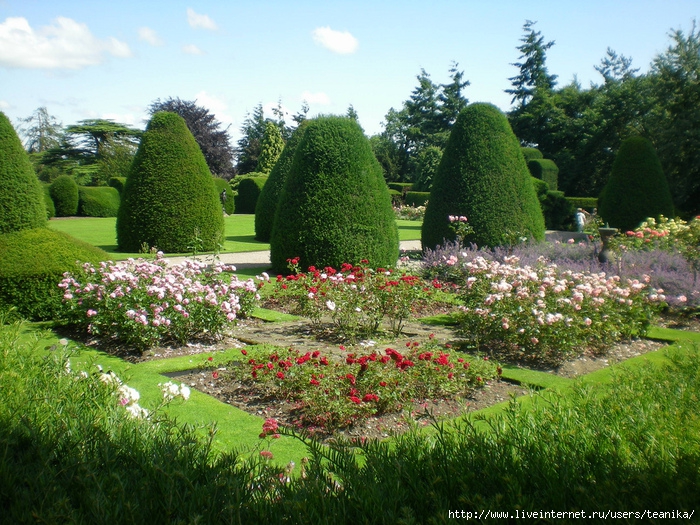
pixel 271 148
pixel 533 75
pixel 252 132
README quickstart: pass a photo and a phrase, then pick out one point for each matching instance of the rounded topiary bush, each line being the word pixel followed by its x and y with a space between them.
pixel 117 183
pixel 21 197
pixel 270 193
pixel 483 176
pixel 249 189
pixel 531 154
pixel 98 201
pixel 335 205
pixel 637 187
pixel 65 195
pixel 169 200
pixel 33 264
pixel 546 170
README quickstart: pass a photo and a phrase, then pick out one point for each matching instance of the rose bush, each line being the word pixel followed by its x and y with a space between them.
pixel 144 303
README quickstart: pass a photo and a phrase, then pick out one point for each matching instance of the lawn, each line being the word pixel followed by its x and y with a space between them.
pixel 239 236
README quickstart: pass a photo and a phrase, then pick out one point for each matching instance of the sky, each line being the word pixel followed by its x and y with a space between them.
pixel 100 59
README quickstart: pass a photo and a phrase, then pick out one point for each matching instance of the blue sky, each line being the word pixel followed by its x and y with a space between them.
pixel 102 59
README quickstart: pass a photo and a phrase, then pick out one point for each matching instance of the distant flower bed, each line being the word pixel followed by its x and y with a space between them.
pixel 144 303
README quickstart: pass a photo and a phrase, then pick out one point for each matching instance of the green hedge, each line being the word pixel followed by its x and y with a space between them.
pixel 65 196
pixel 637 187
pixel 531 154
pixel 118 183
pixel 169 201
pixel 249 189
pixel 21 200
pixel 33 264
pixel 417 198
pixel 48 201
pixel 546 170
pixel 335 205
pixel 400 186
pixel 98 201
pixel 222 185
pixel 483 176
pixel 587 203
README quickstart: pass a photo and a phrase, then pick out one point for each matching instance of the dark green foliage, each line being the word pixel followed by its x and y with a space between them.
pixel 249 189
pixel 98 201
pixel 169 200
pixel 637 187
pixel 270 194
pixel 222 185
pixel 118 183
pixel 557 210
pixel 401 187
pixel 483 176
pixel 531 154
pixel 546 170
pixel 48 201
pixel 541 187
pixel 587 203
pixel 335 206
pixel 64 192
pixel 417 198
pixel 21 200
pixel 424 166
pixel 33 264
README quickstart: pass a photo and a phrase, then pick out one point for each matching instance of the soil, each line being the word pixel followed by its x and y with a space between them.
pixel 421 412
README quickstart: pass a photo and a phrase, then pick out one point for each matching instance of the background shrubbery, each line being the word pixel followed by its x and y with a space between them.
pixel 98 201
pixel 249 190
pixel 65 195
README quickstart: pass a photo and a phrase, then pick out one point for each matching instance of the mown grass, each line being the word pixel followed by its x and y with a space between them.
pixel 71 454
pixel 239 234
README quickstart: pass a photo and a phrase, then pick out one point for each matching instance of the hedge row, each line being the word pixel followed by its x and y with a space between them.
pixel 249 189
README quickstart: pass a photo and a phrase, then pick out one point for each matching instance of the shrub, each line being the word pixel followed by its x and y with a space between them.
pixel 557 210
pixel 249 189
pixel 271 148
pixel 169 200
pixel 588 203
pixel 64 193
pixel 270 193
pixel 335 205
pixel 222 185
pixel 417 198
pixel 33 264
pixel 118 183
pixel 48 201
pixel 637 187
pixel 545 170
pixel 483 176
pixel 531 154
pixel 401 187
pixel 98 201
pixel 21 200
pixel 424 167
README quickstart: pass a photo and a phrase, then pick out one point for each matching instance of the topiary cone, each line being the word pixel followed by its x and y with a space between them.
pixel 21 196
pixel 169 199
pixel 637 187
pixel 335 205
pixel 483 176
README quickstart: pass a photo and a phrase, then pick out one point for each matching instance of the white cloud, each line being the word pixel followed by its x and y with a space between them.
pixel 149 35
pixel 65 44
pixel 337 41
pixel 316 98
pixel 217 106
pixel 4 104
pixel 198 21
pixel 191 49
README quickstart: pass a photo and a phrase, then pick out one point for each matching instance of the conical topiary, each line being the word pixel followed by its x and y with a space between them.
pixel 21 196
pixel 335 206
pixel 270 194
pixel 637 187
pixel 169 199
pixel 271 148
pixel 483 176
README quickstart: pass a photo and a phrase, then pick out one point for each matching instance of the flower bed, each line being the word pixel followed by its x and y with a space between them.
pixel 143 303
